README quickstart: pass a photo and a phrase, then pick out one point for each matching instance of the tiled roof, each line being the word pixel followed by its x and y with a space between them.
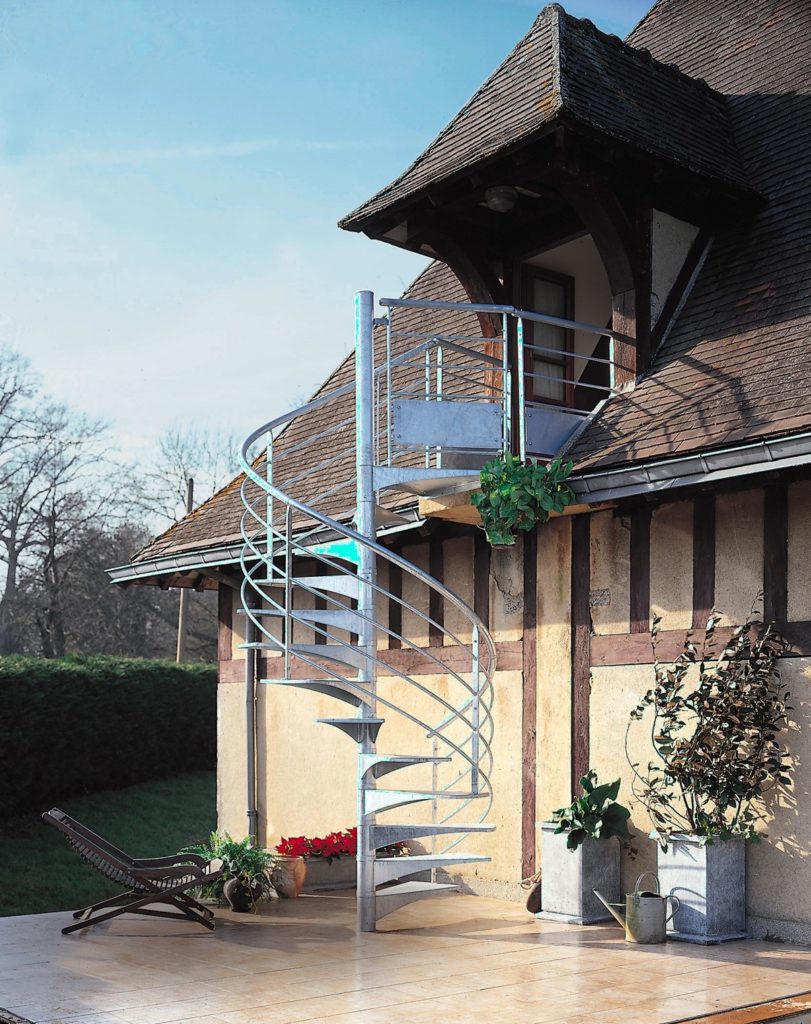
pixel 737 363
pixel 566 70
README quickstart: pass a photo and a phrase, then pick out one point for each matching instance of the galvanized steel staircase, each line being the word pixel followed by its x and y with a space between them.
pixel 316 596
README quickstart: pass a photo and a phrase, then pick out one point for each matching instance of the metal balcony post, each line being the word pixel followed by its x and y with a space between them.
pixel 365 517
pixel 475 682
pixel 522 400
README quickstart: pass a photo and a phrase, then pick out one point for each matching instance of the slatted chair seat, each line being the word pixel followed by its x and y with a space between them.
pixel 147 881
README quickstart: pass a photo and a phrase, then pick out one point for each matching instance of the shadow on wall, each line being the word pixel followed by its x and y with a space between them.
pixel 779 868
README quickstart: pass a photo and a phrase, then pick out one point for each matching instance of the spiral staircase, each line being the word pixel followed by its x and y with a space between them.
pixel 317 592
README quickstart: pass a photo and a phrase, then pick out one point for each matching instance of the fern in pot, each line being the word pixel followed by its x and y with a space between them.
pixel 246 876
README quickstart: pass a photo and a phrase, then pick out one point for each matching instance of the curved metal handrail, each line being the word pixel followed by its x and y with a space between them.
pixel 472 714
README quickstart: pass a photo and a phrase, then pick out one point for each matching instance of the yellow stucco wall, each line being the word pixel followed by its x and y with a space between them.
pixel 610 572
pixel 300 761
pixel 779 868
pixel 306 771
pixel 738 554
pixel 671 564
pixel 553 653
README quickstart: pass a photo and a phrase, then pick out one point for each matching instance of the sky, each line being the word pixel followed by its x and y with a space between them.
pixel 171 175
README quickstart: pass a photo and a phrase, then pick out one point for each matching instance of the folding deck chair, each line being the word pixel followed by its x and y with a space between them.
pixel 150 881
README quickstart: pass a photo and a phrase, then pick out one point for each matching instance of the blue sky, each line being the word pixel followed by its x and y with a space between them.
pixel 170 177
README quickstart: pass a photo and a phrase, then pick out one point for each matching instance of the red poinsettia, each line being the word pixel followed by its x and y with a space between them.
pixel 331 847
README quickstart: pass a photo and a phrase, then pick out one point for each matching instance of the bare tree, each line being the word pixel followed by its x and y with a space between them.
pixel 209 457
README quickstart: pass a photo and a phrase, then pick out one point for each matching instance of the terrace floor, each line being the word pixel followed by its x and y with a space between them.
pixel 449 960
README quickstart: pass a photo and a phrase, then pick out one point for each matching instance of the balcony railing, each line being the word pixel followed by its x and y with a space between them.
pixel 447 396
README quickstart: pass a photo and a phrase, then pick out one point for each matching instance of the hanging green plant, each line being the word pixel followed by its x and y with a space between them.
pixel 515 496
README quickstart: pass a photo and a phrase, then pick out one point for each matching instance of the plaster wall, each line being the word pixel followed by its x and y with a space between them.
pixel 799 551
pixel 610 572
pixel 592 293
pixel 671 564
pixel 670 242
pixel 779 868
pixel 738 554
pixel 553 652
pixel 306 771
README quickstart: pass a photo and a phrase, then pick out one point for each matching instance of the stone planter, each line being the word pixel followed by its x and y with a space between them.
pixel 340 874
pixel 568 878
pixel 710 882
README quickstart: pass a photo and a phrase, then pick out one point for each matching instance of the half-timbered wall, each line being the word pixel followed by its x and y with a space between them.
pixel 676 560
pixel 570 610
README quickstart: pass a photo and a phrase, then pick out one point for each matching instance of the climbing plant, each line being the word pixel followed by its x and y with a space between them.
pixel 716 726
pixel 516 495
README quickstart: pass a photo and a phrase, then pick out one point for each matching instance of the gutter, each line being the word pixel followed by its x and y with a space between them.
pixel 707 467
pixel 208 558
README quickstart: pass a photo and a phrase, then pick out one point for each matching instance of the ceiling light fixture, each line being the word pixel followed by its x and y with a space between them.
pixel 500 198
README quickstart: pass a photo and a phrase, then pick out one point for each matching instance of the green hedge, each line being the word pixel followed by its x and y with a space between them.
pixel 78 725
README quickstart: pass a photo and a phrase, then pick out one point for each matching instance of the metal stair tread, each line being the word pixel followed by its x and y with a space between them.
pixel 421 480
pixel 338 689
pixel 433 793
pixel 409 887
pixel 445 858
pixel 337 583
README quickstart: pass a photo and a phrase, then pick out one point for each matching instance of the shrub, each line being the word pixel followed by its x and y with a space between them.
pixel 718 740
pixel 82 724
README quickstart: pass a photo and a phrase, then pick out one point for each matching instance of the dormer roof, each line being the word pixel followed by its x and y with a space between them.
pixel 567 72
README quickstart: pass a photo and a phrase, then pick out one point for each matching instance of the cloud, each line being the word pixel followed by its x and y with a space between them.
pixel 69 158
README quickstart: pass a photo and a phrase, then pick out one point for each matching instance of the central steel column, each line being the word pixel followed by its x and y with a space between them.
pixel 365 519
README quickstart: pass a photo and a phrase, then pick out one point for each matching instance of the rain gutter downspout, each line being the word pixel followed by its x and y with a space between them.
pixel 250 729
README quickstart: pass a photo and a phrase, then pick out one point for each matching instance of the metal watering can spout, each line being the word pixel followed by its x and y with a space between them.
pixel 616 910
pixel 644 918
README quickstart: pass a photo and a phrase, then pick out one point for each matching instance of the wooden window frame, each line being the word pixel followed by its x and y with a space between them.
pixel 530 274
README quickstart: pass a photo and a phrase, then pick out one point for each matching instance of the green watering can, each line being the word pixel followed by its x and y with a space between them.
pixel 644 917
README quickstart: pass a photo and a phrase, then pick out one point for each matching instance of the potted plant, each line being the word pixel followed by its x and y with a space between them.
pixel 715 725
pixel 246 876
pixel 515 496
pixel 580 852
pixel 328 861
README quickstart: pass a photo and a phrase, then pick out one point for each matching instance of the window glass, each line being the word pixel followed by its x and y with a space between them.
pixel 548 368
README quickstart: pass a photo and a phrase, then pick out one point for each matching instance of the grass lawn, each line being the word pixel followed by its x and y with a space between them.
pixel 39 872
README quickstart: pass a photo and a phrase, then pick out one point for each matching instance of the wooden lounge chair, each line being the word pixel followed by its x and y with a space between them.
pixel 147 881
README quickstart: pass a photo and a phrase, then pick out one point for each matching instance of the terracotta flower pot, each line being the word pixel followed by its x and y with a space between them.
pixel 289 874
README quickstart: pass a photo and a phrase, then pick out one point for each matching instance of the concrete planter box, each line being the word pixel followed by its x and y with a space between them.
pixel 568 878
pixel 340 874
pixel 710 882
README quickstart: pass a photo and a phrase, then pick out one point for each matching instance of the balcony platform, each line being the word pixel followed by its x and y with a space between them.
pixel 456 960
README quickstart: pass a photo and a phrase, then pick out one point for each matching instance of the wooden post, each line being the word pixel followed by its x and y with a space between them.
pixel 775 553
pixel 640 570
pixel 184 592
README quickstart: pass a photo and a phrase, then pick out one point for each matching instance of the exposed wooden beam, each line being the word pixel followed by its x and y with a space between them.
pixel 225 623
pixel 640 570
pixel 775 552
pixel 436 604
pixel 635 648
pixel 481 577
pixel 395 608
